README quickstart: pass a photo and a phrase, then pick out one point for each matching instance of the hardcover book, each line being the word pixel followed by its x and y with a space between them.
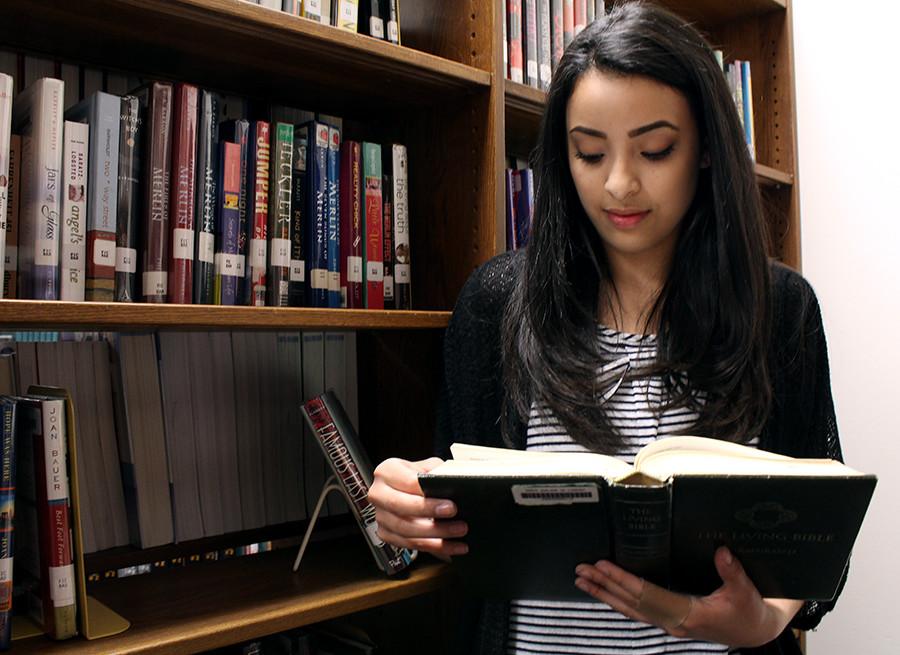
pixel 74 211
pixel 280 215
pixel 10 254
pixel 317 216
pixel 374 229
pixel 206 198
pixel 334 433
pixel 516 49
pixel 156 103
pixel 101 111
pixel 400 192
pixel 131 131
pixel 534 516
pixel 238 131
pixel 38 118
pixel 184 173
pixel 6 99
pixel 387 221
pixel 299 209
pixel 333 257
pixel 229 262
pixel 351 226
pixel 7 511
pixel 258 211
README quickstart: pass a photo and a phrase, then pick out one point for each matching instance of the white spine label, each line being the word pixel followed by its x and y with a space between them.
pixel 401 273
pixel 207 252
pixel 182 243
pixel 375 272
pixel 11 257
pixel 230 264
pixel 354 269
pixel 126 260
pixel 318 278
pixel 156 283
pixel 104 253
pixel 298 270
pixel 280 253
pixel 46 252
pixel 257 253
pixel 376 27
pixel 62 585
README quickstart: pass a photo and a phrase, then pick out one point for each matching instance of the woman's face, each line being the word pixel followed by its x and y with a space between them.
pixel 634 153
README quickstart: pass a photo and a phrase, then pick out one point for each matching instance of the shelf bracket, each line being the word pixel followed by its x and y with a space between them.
pixel 331 484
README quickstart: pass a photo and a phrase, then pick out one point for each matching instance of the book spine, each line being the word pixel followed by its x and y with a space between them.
pixel 7 511
pixel 334 219
pixel 54 526
pixel 642 529
pixel 557 35
pixel 387 222
pixel 312 9
pixel 316 259
pixel 258 211
pixel 74 209
pixel 291 7
pixel 229 263
pixel 131 131
pixel 297 284
pixel 280 216
pixel 38 116
pixel 238 131
pixel 205 205
pixel 338 441
pixel 155 235
pixel 6 99
pixel 10 255
pixel 402 256
pixel 545 68
pixel 374 269
pixel 516 53
pixel 348 15
pixel 531 42
pixel 390 13
pixel 524 200
pixel 351 227
pixel 371 21
pixel 747 97
pixel 184 177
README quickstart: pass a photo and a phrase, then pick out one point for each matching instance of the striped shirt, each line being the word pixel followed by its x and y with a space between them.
pixel 592 627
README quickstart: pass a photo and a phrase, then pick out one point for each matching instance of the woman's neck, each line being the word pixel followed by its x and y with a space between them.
pixel 626 303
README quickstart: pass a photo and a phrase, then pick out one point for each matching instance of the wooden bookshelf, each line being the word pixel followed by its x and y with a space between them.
pixel 103 316
pixel 214 604
pixel 444 95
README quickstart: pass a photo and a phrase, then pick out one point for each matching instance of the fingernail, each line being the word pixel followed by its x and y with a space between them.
pixel 445 509
pixel 459 529
pixel 729 559
pixel 580 569
pixel 581 584
pixel 460 549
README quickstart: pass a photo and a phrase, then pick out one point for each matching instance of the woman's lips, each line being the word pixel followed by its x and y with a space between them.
pixel 626 218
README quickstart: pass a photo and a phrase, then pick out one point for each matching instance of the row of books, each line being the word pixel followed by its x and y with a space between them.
pixel 379 19
pixel 519 204
pixel 211 211
pixel 536 32
pixel 192 435
pixel 737 74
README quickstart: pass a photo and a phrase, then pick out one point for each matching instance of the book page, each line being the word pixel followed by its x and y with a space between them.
pixel 484 461
pixel 701 456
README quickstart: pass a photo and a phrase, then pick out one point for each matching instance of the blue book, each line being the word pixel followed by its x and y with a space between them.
pixel 317 215
pixel 102 111
pixel 334 217
pixel 229 264
pixel 238 131
pixel 747 97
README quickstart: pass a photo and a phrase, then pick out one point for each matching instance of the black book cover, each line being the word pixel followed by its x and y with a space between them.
pixel 131 132
pixel 297 284
pixel 793 534
pixel 205 199
pixel 371 20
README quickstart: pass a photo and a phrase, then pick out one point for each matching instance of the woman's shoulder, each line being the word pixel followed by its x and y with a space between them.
pixel 796 308
pixel 489 286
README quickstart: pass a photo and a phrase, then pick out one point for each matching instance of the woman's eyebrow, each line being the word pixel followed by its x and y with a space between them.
pixel 633 133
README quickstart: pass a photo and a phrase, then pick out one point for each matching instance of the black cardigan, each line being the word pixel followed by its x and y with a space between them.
pixel 802 422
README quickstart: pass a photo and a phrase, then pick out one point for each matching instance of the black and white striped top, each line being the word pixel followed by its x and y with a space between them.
pixel 592 627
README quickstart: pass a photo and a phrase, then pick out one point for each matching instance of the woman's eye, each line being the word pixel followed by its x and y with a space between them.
pixel 590 159
pixel 659 154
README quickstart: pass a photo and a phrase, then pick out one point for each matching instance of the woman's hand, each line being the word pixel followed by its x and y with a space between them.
pixel 734 614
pixel 406 518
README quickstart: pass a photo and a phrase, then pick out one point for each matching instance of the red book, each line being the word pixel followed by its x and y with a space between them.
pixel 580 15
pixel 374 227
pixel 351 225
pixel 184 173
pixel 258 194
pixel 514 15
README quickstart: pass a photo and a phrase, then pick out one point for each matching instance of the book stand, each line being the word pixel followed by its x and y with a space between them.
pixel 331 484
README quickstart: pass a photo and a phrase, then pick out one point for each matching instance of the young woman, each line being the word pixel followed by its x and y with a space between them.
pixel 643 306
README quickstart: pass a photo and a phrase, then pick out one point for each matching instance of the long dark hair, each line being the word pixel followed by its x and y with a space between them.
pixel 712 314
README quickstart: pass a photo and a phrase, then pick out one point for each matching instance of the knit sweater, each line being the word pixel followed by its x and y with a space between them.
pixel 801 423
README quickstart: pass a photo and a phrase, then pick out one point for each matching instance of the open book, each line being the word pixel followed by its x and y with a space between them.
pixel 533 516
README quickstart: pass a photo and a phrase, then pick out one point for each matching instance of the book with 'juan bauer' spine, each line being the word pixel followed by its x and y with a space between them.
pixel 335 435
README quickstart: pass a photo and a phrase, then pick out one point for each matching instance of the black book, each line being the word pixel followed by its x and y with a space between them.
pixel 128 212
pixel 534 516
pixel 205 199
pixel 391 17
pixel 371 20
pixel 297 283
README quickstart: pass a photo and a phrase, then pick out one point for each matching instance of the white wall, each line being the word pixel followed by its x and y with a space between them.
pixel 849 142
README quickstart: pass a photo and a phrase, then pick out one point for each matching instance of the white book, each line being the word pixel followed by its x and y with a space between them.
pixel 74 211
pixel 38 117
pixel 400 193
pixel 6 100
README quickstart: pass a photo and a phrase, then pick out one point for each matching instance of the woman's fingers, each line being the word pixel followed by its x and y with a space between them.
pixel 412 527
pixel 439 547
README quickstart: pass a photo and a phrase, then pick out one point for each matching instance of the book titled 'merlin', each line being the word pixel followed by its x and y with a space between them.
pixel 351 466
pixel 534 516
